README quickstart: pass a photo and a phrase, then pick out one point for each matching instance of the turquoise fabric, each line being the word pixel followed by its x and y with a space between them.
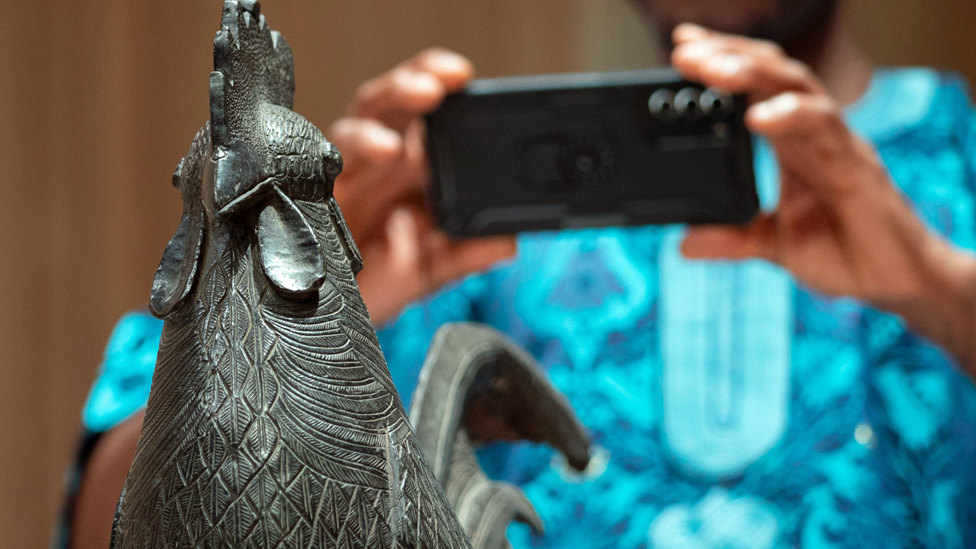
pixel 122 386
pixel 729 406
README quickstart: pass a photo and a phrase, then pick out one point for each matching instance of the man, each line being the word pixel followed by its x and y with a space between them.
pixel 731 404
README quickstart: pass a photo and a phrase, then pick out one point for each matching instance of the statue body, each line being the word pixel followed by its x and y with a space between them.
pixel 272 419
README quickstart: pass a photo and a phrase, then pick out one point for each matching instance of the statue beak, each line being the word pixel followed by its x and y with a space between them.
pixel 238 181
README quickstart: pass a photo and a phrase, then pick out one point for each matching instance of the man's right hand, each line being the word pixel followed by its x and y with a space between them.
pixel 381 188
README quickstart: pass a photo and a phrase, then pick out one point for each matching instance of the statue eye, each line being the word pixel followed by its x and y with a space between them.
pixel 178 173
pixel 331 159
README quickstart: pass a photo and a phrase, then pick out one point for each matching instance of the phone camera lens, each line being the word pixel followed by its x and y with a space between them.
pixel 687 103
pixel 585 164
pixel 716 103
pixel 661 105
pixel 560 163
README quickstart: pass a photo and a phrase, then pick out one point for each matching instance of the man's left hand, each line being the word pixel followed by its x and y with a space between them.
pixel 841 226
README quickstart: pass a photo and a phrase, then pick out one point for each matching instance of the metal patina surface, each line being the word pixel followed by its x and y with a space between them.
pixel 476 385
pixel 272 419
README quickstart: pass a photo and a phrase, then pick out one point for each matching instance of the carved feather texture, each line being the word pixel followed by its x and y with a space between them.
pixel 272 421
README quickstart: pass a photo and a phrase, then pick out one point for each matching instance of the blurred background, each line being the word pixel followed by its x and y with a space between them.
pixel 99 100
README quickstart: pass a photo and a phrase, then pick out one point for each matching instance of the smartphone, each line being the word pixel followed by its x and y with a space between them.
pixel 518 154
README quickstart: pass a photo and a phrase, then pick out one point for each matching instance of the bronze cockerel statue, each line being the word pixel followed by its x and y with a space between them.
pixel 272 421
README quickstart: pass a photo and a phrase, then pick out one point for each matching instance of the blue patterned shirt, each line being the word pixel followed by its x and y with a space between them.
pixel 729 406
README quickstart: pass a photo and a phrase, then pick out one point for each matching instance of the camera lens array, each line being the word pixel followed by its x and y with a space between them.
pixel 689 104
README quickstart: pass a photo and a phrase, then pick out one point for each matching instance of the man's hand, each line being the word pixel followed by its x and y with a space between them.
pixel 841 226
pixel 381 189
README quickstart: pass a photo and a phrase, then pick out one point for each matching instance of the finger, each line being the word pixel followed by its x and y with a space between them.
pixel 364 142
pixel 753 69
pixel 794 114
pixel 370 151
pixel 382 167
pixel 403 236
pixel 377 188
pixel 397 259
pixel 688 33
pixel 452 69
pixel 415 165
pixel 739 64
pixel 369 201
pixel 813 142
pixel 457 258
pixel 397 96
pixel 758 239
pixel 418 250
pixel 411 89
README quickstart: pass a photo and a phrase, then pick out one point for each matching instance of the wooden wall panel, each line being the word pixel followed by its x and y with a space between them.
pixel 938 33
pixel 99 100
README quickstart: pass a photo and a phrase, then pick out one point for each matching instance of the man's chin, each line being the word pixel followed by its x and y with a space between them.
pixel 792 19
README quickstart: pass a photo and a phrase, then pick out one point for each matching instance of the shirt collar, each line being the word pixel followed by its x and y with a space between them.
pixel 895 101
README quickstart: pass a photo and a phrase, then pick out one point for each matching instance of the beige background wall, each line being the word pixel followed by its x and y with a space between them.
pixel 99 99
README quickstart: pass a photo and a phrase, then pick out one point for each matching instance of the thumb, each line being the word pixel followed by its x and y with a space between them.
pixel 402 236
pixel 390 279
pixel 755 240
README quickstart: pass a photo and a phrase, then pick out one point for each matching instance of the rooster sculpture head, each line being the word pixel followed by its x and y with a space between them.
pixel 248 165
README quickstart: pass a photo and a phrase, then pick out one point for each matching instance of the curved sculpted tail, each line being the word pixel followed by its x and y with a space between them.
pixel 476 385
pixel 484 507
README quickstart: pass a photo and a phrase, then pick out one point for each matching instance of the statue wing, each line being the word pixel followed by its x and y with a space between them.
pixel 477 385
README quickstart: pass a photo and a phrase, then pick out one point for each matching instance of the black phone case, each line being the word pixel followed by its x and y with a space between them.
pixel 588 150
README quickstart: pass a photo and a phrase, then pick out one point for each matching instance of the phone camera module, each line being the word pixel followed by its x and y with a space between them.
pixel 687 103
pixel 716 103
pixel 661 105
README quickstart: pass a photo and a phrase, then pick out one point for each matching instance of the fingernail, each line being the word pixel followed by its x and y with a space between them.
pixel 400 222
pixel 420 82
pixel 384 138
pixel 775 107
pixel 690 31
pixel 726 65
pixel 450 63
pixel 402 234
pixel 696 51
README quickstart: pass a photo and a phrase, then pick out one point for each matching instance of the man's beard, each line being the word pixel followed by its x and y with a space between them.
pixel 796 21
